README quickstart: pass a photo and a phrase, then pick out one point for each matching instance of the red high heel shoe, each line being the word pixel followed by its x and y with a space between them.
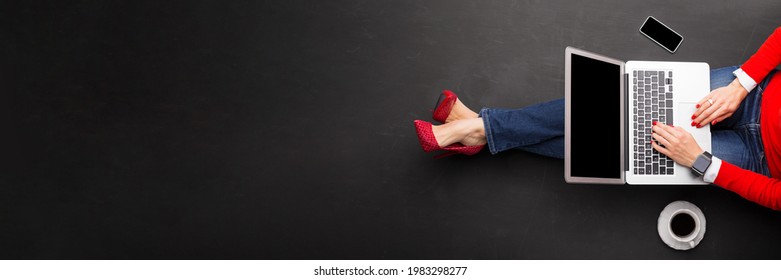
pixel 429 143
pixel 444 105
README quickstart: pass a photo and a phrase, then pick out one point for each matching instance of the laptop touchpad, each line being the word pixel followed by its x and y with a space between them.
pixel 684 114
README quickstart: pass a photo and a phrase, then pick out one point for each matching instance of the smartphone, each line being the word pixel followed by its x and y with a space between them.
pixel 661 34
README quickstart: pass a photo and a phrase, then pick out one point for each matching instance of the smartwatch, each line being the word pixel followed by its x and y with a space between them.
pixel 701 164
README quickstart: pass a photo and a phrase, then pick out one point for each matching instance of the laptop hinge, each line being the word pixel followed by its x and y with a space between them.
pixel 627 110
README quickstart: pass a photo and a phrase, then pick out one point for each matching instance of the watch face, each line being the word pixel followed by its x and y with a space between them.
pixel 701 164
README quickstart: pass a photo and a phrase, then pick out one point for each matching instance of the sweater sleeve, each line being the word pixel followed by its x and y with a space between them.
pixel 766 58
pixel 752 186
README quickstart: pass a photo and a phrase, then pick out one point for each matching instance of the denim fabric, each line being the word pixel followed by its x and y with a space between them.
pixel 539 128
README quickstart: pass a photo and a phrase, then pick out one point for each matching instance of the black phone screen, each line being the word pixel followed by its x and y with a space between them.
pixel 660 33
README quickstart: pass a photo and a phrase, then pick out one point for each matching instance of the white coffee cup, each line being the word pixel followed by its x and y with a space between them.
pixel 685 228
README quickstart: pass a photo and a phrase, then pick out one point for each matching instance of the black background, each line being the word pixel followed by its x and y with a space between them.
pixel 283 130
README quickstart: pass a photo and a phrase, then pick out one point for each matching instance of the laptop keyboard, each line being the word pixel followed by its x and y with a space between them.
pixel 653 101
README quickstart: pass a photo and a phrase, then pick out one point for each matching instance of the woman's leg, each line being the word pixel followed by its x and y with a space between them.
pixel 537 128
pixel 740 148
pixel 721 77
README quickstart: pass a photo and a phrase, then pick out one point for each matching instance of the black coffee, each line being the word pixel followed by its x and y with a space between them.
pixel 682 224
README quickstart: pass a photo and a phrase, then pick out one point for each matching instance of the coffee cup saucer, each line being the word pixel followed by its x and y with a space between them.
pixel 663 225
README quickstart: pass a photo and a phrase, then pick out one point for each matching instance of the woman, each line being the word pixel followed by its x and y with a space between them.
pixel 745 118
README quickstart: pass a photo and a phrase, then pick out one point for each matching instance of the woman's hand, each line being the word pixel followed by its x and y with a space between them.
pixel 719 104
pixel 676 143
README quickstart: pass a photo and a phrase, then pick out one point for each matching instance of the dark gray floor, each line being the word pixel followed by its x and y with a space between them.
pixel 283 130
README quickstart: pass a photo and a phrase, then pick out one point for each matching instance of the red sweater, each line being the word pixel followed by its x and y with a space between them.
pixel 752 186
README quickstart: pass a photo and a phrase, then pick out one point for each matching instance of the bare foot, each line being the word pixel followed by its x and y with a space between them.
pixel 469 132
pixel 460 112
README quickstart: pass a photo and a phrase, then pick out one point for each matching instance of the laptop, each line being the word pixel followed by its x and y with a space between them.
pixel 610 107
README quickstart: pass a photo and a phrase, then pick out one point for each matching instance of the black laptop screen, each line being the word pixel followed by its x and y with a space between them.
pixel 595 118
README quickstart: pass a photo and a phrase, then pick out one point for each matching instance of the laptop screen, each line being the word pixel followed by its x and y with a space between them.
pixel 595 118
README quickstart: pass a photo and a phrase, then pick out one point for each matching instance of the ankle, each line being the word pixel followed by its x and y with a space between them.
pixel 476 127
pixel 461 112
pixel 468 132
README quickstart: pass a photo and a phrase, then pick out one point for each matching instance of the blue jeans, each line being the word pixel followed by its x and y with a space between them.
pixel 539 128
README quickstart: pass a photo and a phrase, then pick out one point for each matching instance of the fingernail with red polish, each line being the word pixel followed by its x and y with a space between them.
pixel 714 122
pixel 699 126
pixel 654 123
pixel 698 106
pixel 694 123
pixel 694 117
